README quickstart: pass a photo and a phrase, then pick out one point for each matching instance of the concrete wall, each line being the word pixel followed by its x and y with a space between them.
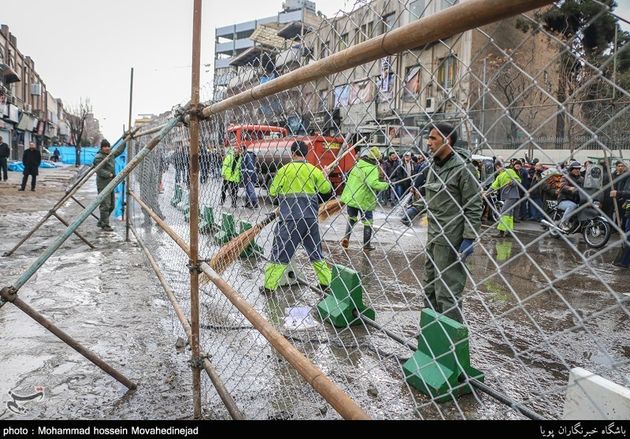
pixel 590 396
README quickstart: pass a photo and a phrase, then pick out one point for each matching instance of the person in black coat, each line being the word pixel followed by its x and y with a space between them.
pixel 31 160
pixel 5 152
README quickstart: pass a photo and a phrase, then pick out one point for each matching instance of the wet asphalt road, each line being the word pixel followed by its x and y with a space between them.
pixel 532 316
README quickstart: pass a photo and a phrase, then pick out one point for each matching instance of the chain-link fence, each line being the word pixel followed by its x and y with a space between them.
pixel 507 139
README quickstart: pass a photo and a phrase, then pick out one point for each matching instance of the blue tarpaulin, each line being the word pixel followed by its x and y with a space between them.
pixel 68 154
pixel 121 161
pixel 19 166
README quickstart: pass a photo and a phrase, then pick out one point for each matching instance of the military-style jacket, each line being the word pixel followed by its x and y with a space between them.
pixel 453 199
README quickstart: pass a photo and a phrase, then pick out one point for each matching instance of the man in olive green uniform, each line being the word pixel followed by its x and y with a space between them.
pixel 104 176
pixel 296 185
pixel 454 209
pixel 231 173
pixel 360 196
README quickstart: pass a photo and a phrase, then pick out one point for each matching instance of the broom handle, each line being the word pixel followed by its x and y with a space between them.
pixel 328 169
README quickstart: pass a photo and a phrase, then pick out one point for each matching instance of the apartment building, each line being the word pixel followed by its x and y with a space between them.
pixel 28 112
pixel 457 80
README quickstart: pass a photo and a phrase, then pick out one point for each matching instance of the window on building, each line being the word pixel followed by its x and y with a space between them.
pixel 342 95
pixel 416 8
pixel 343 41
pixel 447 3
pixel 365 32
pixel 447 72
pixel 389 22
pixel 324 49
pixel 411 91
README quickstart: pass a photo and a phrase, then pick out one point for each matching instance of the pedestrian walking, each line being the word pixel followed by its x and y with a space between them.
pixel 31 160
pixel 297 185
pixel 359 195
pixel 5 152
pixel 454 217
pixel 104 176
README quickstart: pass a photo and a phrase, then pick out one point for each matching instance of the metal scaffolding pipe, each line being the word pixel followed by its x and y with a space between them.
pixel 335 396
pixel 225 396
pixel 93 205
pixel 10 295
pixel 70 192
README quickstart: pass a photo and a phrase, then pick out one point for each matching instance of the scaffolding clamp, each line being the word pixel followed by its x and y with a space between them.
pixel 197 362
pixel 7 294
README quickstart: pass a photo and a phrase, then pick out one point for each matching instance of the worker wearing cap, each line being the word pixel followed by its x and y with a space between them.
pixel 296 185
pixel 104 176
pixel 360 196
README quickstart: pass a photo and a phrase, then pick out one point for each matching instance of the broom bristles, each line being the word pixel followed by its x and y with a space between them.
pixel 232 250
pixel 329 208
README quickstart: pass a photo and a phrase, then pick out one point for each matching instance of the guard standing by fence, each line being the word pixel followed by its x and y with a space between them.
pixel 103 177
pixel 297 185
pixel 454 214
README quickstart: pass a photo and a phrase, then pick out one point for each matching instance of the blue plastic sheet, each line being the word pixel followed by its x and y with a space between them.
pixel 19 166
pixel 120 163
pixel 68 154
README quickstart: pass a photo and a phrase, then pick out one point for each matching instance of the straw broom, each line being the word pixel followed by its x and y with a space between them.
pixel 231 251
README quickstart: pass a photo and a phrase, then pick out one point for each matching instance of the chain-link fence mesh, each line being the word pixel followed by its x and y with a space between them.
pixel 535 109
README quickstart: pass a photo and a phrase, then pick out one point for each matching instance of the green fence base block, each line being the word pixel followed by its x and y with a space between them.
pixel 442 361
pixel 252 248
pixel 346 297
pixel 227 231
pixel 183 206
pixel 206 224
pixel 177 196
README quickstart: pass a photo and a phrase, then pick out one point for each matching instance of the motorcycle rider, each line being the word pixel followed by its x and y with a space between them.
pixel 569 196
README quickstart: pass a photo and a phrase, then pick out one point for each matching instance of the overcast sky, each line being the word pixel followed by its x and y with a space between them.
pixel 86 48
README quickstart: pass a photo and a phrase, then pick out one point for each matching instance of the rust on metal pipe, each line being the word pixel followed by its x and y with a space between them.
pixel 10 295
pixel 76 232
pixel 441 25
pixel 225 396
pixel 194 205
pixel 83 206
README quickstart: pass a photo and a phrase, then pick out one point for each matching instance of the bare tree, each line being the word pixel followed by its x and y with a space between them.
pixel 77 117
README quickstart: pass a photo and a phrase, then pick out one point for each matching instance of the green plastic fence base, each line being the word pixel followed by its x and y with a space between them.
pixel 206 224
pixel 177 196
pixel 442 360
pixel 227 231
pixel 252 248
pixel 346 297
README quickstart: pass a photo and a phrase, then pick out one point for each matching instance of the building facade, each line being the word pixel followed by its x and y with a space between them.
pixel 28 111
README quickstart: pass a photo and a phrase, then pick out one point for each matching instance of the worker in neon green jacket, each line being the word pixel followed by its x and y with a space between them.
pixel 506 183
pixel 231 173
pixel 360 196
pixel 296 185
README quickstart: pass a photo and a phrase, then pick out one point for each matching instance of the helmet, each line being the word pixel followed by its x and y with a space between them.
pixel 575 165
pixel 374 153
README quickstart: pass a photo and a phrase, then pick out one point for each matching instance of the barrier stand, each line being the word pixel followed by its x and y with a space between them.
pixel 442 360
pixel 346 297
pixel 9 294
pixel 120 144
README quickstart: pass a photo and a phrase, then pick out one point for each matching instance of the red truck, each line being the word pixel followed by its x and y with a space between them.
pixel 272 146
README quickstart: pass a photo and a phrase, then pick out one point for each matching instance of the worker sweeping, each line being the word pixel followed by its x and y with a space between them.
pixel 296 185
pixel 359 196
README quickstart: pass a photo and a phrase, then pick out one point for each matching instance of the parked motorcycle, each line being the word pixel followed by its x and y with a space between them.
pixel 587 220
